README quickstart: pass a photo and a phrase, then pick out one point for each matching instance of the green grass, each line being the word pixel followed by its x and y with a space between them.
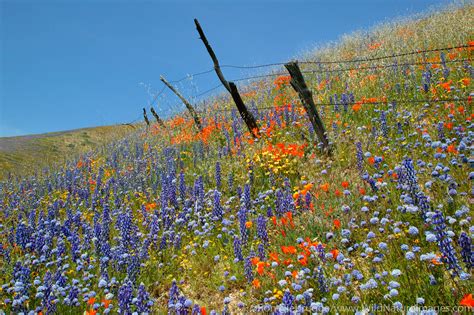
pixel 25 155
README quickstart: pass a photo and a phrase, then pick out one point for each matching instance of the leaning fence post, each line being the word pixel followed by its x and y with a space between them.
pixel 230 86
pixel 146 117
pixel 158 119
pixel 298 83
pixel 188 105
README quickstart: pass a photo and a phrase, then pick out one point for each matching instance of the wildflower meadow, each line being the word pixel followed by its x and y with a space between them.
pixel 172 220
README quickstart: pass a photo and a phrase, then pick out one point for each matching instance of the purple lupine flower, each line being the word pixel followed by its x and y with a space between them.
pixel 444 242
pixel 244 233
pixel 105 232
pixel 440 128
pixel 143 301
pixel 217 211
pixel 426 80
pixel 22 235
pixel 308 198
pixel 239 192
pixel 163 243
pixel 467 253
pixel 125 296
pixel 269 212
pixel 133 267
pixel 360 157
pixel 196 308
pixel 48 296
pixel 262 229
pixel 218 175
pixel 279 203
pixel 173 295
pixel 248 269
pixel 247 199
pixel 446 70
pixel 230 182
pixel 322 285
pixel 261 251
pixel 288 300
pixel 345 101
pixel 238 249
pixel 73 296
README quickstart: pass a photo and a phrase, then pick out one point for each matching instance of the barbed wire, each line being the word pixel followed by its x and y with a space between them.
pixel 372 67
pixel 348 104
pixel 156 97
pixel 348 61
pixel 323 62
pixel 378 67
pixel 189 76
pixel 207 91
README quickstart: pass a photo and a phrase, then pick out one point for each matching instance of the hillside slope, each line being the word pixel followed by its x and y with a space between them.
pixel 24 155
pixel 184 222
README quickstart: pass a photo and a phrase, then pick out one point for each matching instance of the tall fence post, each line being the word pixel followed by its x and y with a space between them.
pixel 298 83
pixel 230 86
pixel 146 117
pixel 190 108
pixel 158 119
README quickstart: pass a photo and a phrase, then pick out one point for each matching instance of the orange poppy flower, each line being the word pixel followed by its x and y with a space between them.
pixel 324 187
pixel 256 283
pixel 446 85
pixel 288 249
pixel 451 149
pixel 106 303
pixel 260 267
pixel 303 260
pixel 356 107
pixel 274 220
pixel 248 224
pixel 345 184
pixel 91 301
pixel 467 300
pixel 150 206
pixel 255 260
pixel 274 257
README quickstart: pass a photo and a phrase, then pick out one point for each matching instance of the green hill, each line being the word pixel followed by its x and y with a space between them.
pixel 24 155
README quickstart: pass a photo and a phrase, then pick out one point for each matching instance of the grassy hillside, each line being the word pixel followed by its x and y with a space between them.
pixel 24 155
pixel 178 221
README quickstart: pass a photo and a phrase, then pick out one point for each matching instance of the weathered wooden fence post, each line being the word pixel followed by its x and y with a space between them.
pixel 298 83
pixel 158 119
pixel 146 117
pixel 230 86
pixel 190 108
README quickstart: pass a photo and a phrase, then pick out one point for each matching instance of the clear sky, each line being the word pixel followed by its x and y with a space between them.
pixel 72 64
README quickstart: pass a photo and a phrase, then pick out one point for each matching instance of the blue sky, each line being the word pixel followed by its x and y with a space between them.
pixel 72 64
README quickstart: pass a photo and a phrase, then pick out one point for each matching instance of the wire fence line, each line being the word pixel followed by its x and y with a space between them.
pixel 348 104
pixel 378 67
pixel 394 65
pixel 322 62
